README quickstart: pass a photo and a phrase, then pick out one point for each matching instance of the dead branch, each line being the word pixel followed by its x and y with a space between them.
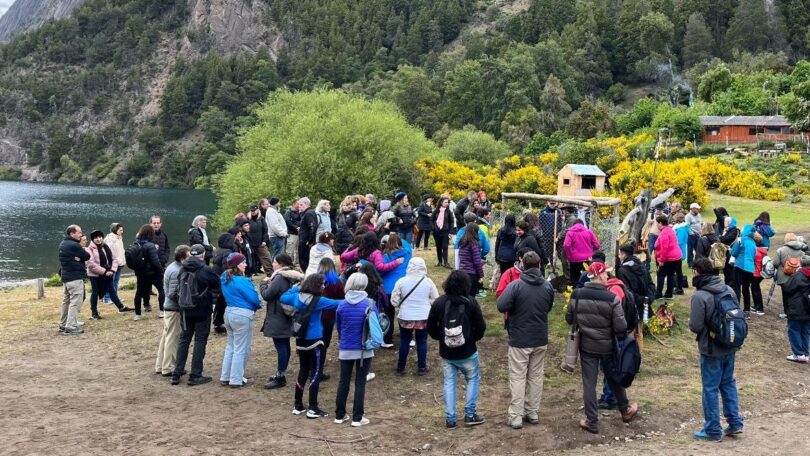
pixel 322 439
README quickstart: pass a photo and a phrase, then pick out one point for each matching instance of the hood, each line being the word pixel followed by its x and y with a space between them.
pixel 401 253
pixel 577 228
pixel 732 223
pixel 711 283
pixel 290 274
pixel 416 267
pixel 193 264
pixel 305 298
pixel 614 281
pixel 747 231
pixel 634 264
pixel 323 248
pixel 225 241
pixel 356 296
pixel 720 212
pixel 532 276
pixel 384 218
pixel 806 272
pixel 795 245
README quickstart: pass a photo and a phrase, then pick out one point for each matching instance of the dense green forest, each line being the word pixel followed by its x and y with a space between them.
pixel 529 73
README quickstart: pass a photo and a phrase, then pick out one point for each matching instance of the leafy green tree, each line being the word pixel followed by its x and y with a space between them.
pixel 541 143
pixel 698 42
pixel 753 28
pixel 412 92
pixel 464 95
pixel 641 116
pixel 215 123
pixel 796 16
pixel 151 141
pixel 325 144
pixel 714 81
pixel 592 118
pixel 471 144
pixel 684 123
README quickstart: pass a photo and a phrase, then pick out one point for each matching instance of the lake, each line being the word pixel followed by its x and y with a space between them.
pixel 33 218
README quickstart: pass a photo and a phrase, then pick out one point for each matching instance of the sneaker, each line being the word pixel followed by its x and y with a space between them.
pixel 531 419
pixel 342 420
pixel 245 382
pixel 61 329
pixel 364 421
pixel 630 413
pixel 679 291
pixel 72 331
pixel 401 370
pixel 224 382
pixel 80 323
pixel 450 424
pixel 198 381
pixel 782 316
pixel 315 412
pixel 584 425
pixel 370 376
pixel 220 329
pixel 125 309
pixel 607 405
pixel 732 430
pixel 161 314
pixel 107 301
pixel 412 344
pixel 384 345
pixel 474 420
pixel 759 312
pixel 138 318
pixel 422 371
pixel 175 380
pixel 515 424
pixel 299 409
pixel 96 317
pixel 702 435
pixel 797 359
pixel 147 308
pixel 276 382
pixel 747 314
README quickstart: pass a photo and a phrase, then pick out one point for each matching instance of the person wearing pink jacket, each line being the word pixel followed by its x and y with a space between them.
pixel 101 268
pixel 668 256
pixel 369 250
pixel 580 243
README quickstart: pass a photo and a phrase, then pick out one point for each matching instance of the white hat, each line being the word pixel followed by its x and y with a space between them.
pixel 694 206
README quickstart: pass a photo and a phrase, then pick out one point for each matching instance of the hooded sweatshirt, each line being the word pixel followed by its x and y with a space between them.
pixel 636 279
pixel 226 247
pixel 580 243
pixel 206 280
pixel 473 325
pixel 351 315
pixel 792 249
pixel 316 254
pixel 116 244
pixel 278 320
pixel 417 305
pixel 682 233
pixel 390 278
pixel 528 302
pixel 745 251
pixel 300 301
pixel 707 285
pixel 795 287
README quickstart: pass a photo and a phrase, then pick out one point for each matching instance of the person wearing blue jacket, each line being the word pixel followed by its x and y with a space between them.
pixel 242 302
pixel 744 252
pixel 396 248
pixel 351 317
pixel 483 240
pixel 309 304
pixel 762 225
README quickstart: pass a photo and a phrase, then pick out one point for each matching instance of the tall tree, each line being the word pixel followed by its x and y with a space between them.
pixel 698 42
pixel 754 28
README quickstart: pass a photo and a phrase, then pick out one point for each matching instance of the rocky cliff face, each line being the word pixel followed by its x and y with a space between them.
pixel 28 14
pixel 232 26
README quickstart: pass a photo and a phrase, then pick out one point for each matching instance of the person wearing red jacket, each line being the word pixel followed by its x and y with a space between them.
pixel 668 256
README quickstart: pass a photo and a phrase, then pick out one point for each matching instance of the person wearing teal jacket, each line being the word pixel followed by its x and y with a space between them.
pixel 307 299
pixel 242 302
pixel 744 252
pixel 483 240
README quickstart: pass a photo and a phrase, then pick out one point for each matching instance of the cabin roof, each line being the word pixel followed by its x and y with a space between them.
pixel 744 121
pixel 585 170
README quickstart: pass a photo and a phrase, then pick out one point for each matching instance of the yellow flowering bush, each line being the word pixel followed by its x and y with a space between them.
pixel 792 159
pixel 629 178
pixel 549 158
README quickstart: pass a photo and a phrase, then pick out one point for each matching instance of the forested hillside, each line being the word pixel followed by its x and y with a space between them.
pixel 154 92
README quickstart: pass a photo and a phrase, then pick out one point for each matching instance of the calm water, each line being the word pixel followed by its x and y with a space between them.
pixel 33 218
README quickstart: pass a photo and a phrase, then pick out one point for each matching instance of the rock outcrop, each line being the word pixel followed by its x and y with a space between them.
pixel 29 14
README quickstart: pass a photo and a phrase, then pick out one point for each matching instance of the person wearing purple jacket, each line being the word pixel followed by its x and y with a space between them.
pixel 351 317
pixel 469 252
pixel 579 245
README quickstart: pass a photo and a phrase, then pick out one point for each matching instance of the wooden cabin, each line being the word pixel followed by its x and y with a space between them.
pixel 580 180
pixel 730 130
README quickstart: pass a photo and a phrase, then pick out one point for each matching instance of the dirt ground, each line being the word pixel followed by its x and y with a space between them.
pixel 97 394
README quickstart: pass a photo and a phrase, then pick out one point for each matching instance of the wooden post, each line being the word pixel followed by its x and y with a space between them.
pixel 40 288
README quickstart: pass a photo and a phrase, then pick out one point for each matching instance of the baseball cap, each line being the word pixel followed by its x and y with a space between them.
pixel 694 206
pixel 596 269
pixel 197 249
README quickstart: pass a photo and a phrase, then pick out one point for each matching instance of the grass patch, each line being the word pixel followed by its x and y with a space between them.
pixel 785 216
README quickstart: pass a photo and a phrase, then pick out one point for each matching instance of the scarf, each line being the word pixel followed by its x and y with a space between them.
pixel 204 236
pixel 104 256
pixel 440 218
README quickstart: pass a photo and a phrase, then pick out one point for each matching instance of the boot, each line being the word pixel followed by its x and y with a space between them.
pixel 276 382
pixel 630 413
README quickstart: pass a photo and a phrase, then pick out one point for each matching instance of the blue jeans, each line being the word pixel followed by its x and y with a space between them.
pixel 718 377
pixel 691 245
pixel 283 349
pixel 239 323
pixel 114 287
pixel 799 336
pixel 472 375
pixel 651 238
pixel 405 336
pixel 406 234
pixel 607 394
pixel 277 244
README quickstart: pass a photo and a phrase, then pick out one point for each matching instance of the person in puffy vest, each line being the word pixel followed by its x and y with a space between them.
pixel 798 313
pixel 404 217
pixel 101 268
pixel 716 362
pixel 170 337
pixel 598 314
pixel 461 359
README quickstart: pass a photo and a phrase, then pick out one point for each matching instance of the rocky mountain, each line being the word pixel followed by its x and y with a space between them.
pixel 29 14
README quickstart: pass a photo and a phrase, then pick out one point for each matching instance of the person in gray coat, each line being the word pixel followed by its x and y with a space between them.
pixel 598 314
pixel 278 321
pixel 793 248
pixel 527 303
pixel 169 338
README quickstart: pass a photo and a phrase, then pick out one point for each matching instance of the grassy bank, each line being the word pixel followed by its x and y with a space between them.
pixel 785 216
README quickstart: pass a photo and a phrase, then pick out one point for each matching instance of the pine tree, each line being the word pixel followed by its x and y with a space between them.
pixel 697 42
pixel 754 29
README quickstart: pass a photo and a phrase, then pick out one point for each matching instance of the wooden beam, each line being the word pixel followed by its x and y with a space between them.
pixel 589 201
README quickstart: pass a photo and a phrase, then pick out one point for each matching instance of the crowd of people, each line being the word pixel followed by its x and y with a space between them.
pixel 328 270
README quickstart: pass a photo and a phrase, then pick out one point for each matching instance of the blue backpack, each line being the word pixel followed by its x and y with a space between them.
pixel 372 330
pixel 727 325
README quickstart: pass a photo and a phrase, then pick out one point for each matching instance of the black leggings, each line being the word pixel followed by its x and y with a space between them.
pixel 426 234
pixel 143 290
pixel 309 367
pixel 388 337
pixel 442 244
pixel 346 368
pixel 575 270
pixel 328 323
pixel 750 287
pixel 667 271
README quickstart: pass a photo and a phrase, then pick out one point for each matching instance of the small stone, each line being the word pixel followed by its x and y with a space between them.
pixel 426 447
pixel 616 439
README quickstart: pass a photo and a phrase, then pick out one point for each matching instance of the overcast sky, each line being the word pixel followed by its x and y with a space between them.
pixel 4 4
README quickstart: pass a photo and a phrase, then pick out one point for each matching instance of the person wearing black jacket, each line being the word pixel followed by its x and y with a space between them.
pixel 463 206
pixel 423 223
pixel 505 253
pixel 346 223
pixel 307 232
pixel 525 238
pixel 226 245
pixel 527 302
pixel 404 220
pixel 72 258
pixel 730 233
pixel 151 272
pixel 720 214
pixel 635 277
pixel 293 220
pixel 259 239
pixel 161 241
pixel 198 234
pixel 456 306
pixel 196 322
pixel 443 225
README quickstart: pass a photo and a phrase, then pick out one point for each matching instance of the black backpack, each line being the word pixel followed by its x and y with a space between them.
pixel 135 255
pixel 189 295
pixel 455 328
pixel 727 325
pixel 629 307
pixel 625 362
pixel 301 319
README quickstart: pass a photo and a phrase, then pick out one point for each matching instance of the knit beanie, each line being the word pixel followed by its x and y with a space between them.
pixel 234 260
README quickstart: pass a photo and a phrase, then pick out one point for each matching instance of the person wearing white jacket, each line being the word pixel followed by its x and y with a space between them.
pixel 276 226
pixel 325 248
pixel 413 295
pixel 115 241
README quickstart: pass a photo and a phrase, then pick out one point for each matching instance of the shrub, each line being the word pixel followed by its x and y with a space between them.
pixel 471 144
pixel 54 281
